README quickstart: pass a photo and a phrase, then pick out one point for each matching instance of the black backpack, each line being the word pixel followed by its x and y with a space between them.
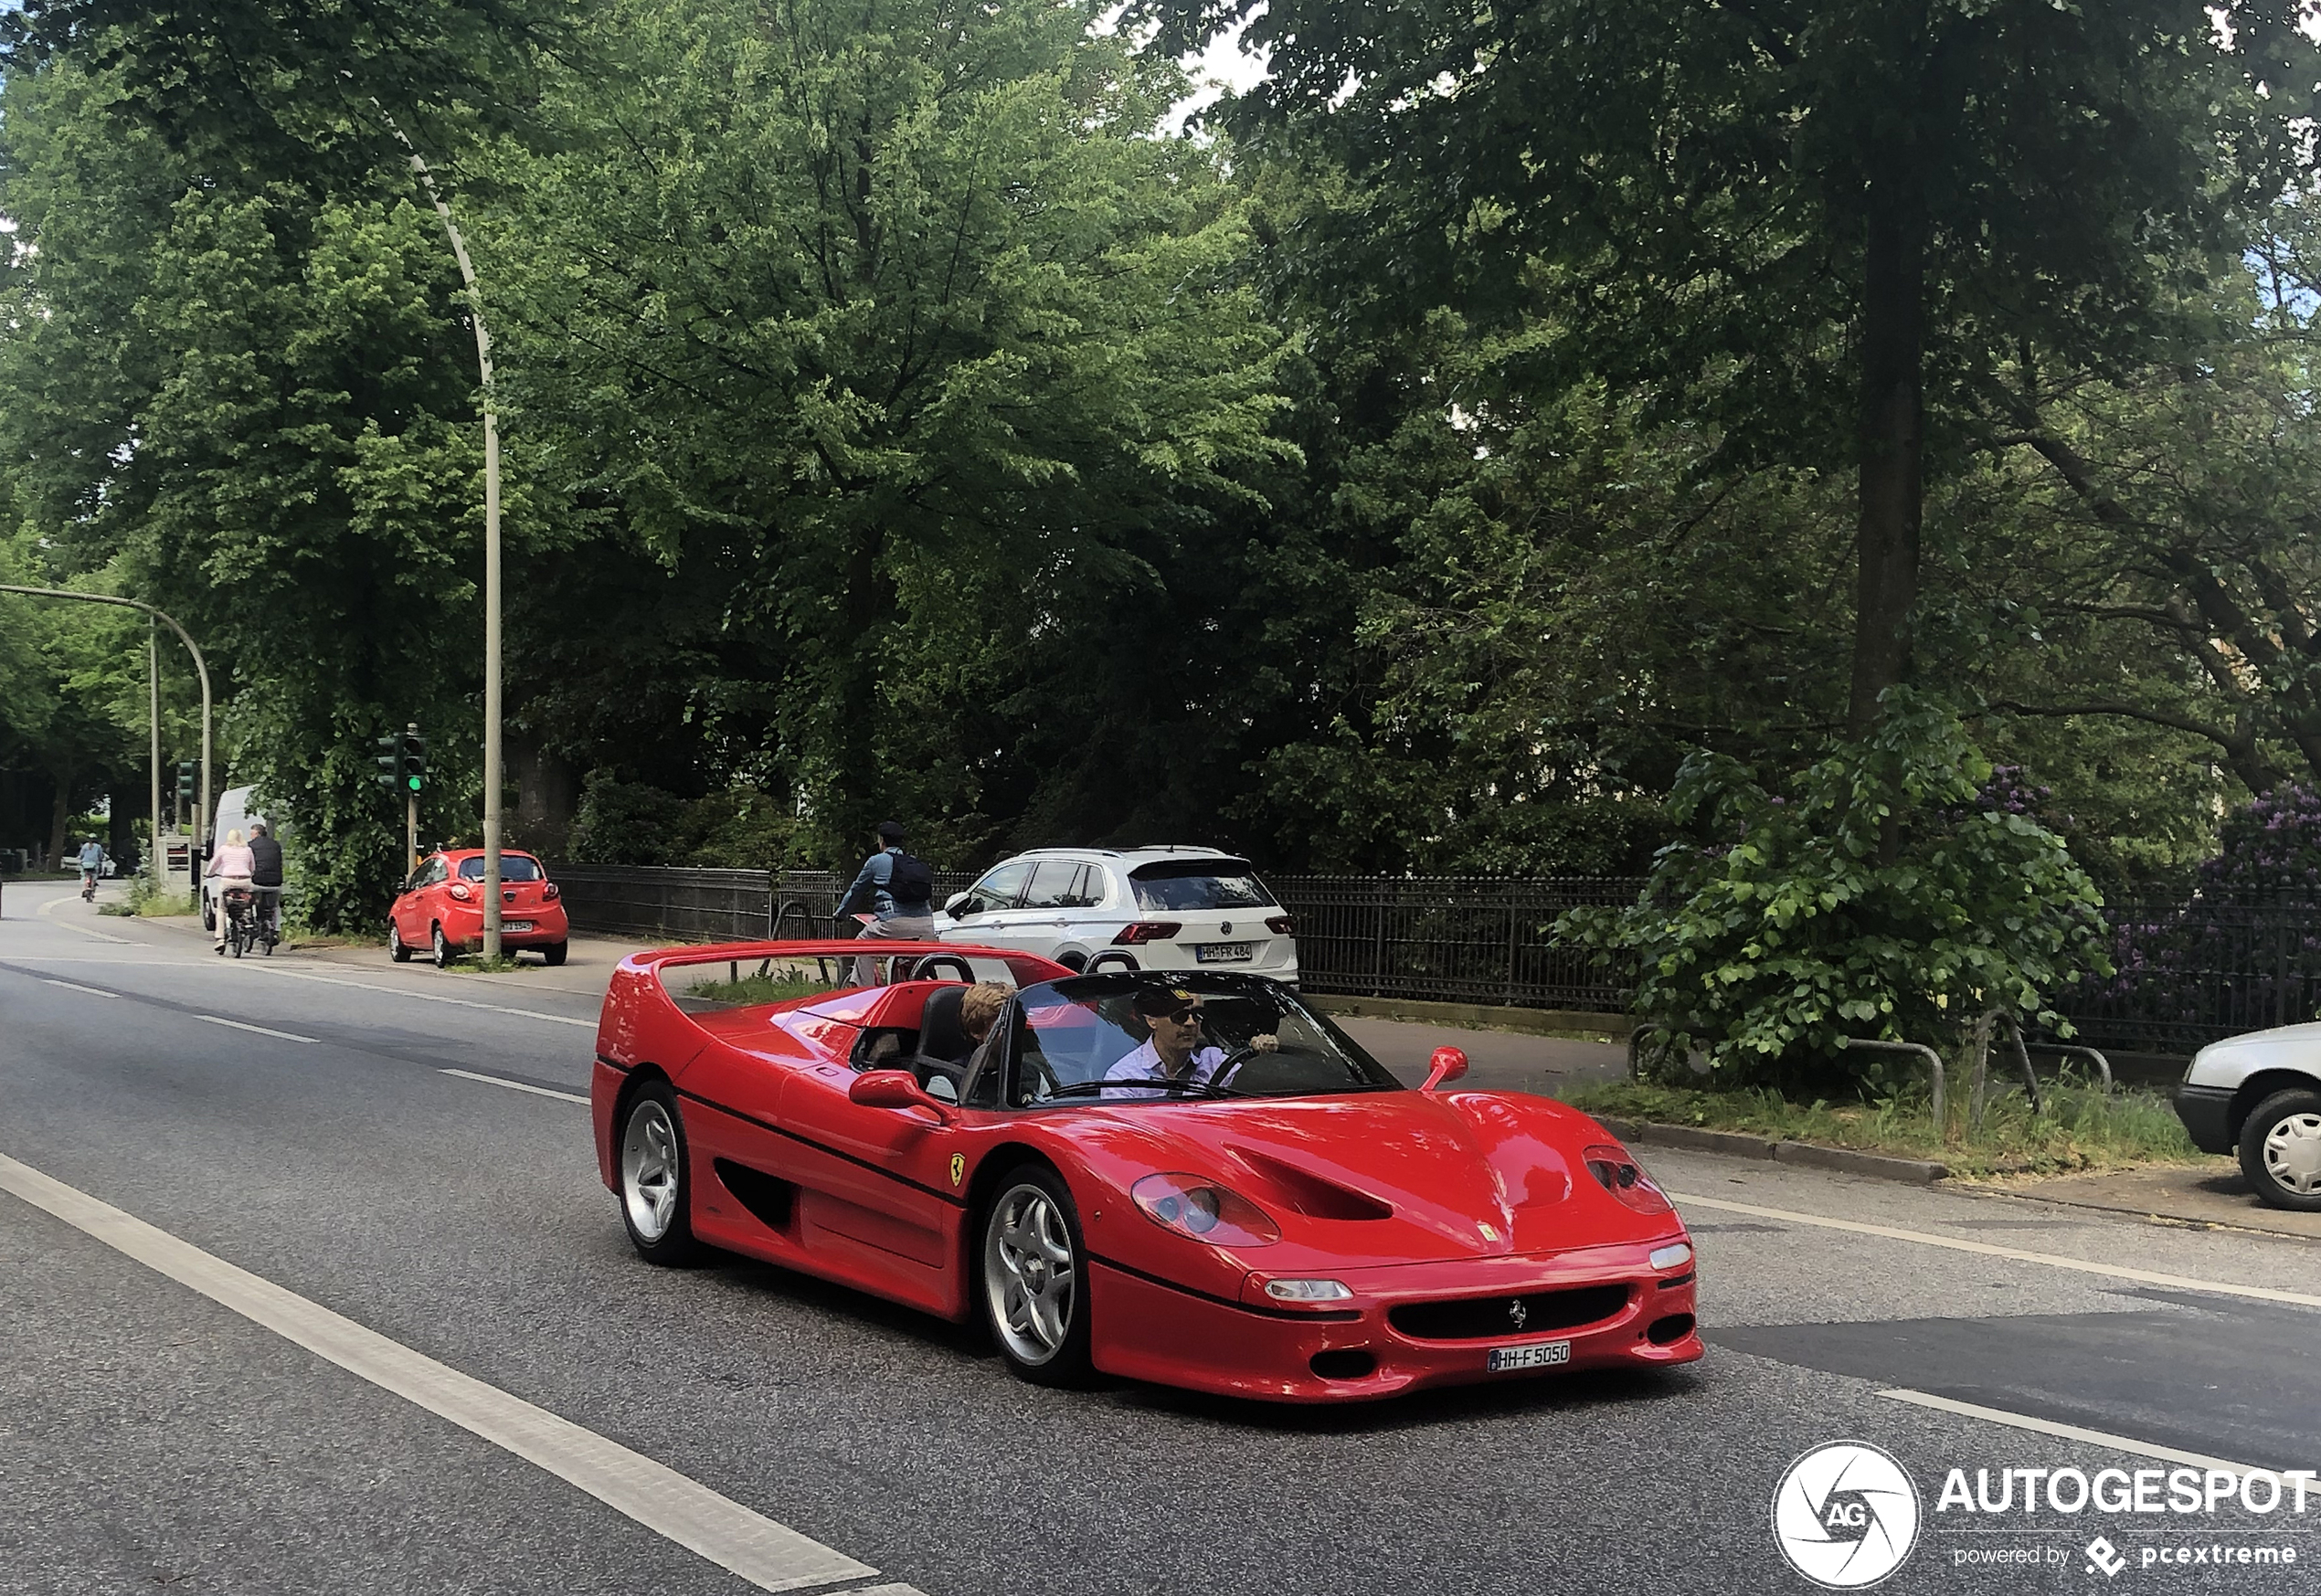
pixel 911 884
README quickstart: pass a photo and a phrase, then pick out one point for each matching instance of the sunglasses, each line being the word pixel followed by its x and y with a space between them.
pixel 1190 1016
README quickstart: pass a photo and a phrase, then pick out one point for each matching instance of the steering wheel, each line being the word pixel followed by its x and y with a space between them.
pixel 1233 1062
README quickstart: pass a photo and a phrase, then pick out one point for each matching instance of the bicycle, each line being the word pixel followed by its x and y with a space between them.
pixel 247 924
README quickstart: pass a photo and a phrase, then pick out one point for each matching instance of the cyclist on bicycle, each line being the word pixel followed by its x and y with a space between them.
pixel 229 866
pixel 266 876
pixel 93 859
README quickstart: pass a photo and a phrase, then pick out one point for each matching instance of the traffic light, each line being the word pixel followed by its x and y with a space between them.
pixel 414 763
pixel 389 760
pixel 186 773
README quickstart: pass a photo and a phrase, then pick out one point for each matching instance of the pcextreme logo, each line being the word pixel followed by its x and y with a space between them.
pixel 1845 1514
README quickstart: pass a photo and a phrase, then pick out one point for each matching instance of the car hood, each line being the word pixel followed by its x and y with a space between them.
pixel 1391 1177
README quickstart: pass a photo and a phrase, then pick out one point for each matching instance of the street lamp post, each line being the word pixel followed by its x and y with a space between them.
pixel 492 775
pixel 201 668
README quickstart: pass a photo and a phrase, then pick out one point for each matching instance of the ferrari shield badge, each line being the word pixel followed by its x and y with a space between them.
pixel 959 1167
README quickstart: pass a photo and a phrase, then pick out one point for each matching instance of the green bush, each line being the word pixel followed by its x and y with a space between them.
pixel 633 823
pixel 1873 899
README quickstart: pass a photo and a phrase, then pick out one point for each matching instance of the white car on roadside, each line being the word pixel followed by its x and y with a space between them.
pixel 1128 909
pixel 2258 1097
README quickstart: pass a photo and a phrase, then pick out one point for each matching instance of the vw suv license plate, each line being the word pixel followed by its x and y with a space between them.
pixel 1538 1355
pixel 1223 952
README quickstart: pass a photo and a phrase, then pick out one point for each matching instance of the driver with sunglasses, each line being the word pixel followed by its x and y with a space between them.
pixel 1175 1052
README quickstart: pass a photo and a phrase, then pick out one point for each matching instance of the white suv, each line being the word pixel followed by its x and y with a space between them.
pixel 1130 909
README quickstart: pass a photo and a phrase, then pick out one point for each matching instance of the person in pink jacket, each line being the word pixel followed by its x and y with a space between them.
pixel 230 865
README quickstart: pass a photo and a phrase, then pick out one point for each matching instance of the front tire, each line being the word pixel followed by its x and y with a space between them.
pixel 1034 1278
pixel 397 948
pixel 2281 1151
pixel 656 1178
pixel 442 946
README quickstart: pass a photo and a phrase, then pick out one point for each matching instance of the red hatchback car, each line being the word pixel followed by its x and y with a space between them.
pixel 440 908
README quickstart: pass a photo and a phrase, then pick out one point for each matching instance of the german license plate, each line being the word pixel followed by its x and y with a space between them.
pixel 516 925
pixel 1538 1355
pixel 1223 952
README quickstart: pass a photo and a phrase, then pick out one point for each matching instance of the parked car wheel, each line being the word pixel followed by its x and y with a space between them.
pixel 397 948
pixel 554 953
pixel 2280 1150
pixel 1036 1287
pixel 442 946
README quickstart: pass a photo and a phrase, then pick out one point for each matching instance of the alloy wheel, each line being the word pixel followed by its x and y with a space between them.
pixel 648 1170
pixel 1031 1272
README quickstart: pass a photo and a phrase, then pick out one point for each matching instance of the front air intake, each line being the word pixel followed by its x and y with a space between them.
pixel 1497 1318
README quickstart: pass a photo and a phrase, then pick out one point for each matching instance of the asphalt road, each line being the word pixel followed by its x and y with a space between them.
pixel 441 1346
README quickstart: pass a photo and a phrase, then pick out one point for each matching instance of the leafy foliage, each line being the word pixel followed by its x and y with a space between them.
pixel 1876 897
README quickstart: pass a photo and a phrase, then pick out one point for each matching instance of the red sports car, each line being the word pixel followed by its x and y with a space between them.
pixel 1191 1177
pixel 440 910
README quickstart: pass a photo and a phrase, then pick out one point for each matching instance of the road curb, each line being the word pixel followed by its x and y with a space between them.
pixel 1808 1155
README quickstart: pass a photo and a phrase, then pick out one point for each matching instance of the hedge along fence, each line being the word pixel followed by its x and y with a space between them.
pixel 2189 971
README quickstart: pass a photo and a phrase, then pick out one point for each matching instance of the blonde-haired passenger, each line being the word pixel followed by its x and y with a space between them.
pixel 230 865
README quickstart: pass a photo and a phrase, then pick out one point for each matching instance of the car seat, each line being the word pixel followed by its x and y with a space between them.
pixel 944 1045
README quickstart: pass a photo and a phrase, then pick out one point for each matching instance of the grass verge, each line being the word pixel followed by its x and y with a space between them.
pixel 766 988
pixel 2081 1129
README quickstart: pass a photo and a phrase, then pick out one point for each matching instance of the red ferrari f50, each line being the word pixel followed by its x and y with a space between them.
pixel 1194 1178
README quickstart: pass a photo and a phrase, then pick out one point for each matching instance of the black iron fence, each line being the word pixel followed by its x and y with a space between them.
pixel 2188 971
pixel 2191 971
pixel 1459 939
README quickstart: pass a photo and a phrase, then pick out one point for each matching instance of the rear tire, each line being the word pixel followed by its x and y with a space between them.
pixel 656 1178
pixel 442 949
pixel 2281 1151
pixel 553 954
pixel 1031 1278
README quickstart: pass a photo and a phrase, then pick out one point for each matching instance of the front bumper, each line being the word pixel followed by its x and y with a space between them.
pixel 2206 1113
pixel 1145 1328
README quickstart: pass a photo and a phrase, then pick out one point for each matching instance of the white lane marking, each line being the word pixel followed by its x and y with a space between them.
pixel 770 1556
pixel 264 969
pixel 2016 1254
pixel 84 930
pixel 77 987
pixel 515 1085
pixel 262 1029
pixel 2072 1433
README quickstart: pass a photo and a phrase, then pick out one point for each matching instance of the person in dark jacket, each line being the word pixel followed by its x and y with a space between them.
pixel 265 872
pixel 893 890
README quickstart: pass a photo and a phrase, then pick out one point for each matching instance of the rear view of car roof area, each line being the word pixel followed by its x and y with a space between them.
pixel 1174 869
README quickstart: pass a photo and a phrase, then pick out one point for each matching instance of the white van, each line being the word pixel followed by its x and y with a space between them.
pixel 233 815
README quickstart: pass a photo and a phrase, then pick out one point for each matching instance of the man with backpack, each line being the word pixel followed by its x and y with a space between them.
pixel 897 891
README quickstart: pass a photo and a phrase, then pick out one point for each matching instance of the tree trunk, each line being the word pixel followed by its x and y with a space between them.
pixel 58 813
pixel 1892 444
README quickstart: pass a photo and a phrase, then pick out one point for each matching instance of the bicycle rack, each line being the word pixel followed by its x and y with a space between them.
pixel 1934 1067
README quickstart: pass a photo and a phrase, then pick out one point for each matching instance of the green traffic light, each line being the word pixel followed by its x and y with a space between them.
pixel 415 784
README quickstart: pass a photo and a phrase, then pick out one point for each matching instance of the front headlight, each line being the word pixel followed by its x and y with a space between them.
pixel 1204 1210
pixel 1674 1255
pixel 1309 1291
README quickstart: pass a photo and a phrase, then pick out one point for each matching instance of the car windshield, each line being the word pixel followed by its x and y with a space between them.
pixel 513 867
pixel 1195 885
pixel 1076 1040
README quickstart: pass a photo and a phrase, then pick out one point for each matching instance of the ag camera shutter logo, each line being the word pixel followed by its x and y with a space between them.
pixel 1845 1514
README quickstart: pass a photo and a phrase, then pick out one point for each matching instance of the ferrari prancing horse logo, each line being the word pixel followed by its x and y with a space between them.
pixel 1517 1311
pixel 959 1167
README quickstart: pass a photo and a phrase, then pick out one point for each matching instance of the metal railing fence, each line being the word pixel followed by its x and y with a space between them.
pixel 2190 971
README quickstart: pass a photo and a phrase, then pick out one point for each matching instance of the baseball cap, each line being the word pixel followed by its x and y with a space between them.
pixel 1155 1001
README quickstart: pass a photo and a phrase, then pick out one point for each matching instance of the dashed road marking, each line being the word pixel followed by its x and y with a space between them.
pixel 2016 1254
pixel 770 1556
pixel 517 1086
pixel 77 987
pixel 262 1029
pixel 2072 1433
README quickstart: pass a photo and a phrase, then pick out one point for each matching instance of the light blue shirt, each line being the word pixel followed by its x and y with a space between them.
pixel 92 856
pixel 1144 1065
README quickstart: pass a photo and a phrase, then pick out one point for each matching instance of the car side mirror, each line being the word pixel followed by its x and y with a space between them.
pixel 896 1089
pixel 1448 1064
pixel 955 905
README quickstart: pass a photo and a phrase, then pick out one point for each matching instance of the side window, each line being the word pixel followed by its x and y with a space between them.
pixel 998 890
pixel 434 870
pixel 1055 884
pixel 1087 892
